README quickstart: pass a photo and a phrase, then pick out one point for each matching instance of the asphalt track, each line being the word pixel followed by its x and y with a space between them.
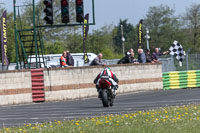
pixel 16 115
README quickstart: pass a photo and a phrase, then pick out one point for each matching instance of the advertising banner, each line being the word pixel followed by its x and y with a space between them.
pixel 4 39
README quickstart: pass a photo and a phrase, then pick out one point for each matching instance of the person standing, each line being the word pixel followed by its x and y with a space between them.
pixel 97 60
pixel 141 56
pixel 63 59
pixel 130 51
pixel 148 57
pixel 129 58
pixel 70 59
pixel 157 53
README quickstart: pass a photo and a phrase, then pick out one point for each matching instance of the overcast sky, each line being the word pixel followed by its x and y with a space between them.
pixel 110 11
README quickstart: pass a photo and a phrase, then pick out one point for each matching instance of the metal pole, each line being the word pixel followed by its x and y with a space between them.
pixel 35 35
pixel 123 39
pixel 147 38
pixel 187 62
pixel 15 28
pixel 147 44
pixel 93 12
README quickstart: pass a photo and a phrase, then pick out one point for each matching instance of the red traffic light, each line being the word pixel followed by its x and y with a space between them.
pixel 64 3
pixel 79 2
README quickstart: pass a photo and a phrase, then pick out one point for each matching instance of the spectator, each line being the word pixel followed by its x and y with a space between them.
pixel 148 56
pixel 97 60
pixel 129 58
pixel 130 51
pixel 70 60
pixel 156 54
pixel 141 56
pixel 63 59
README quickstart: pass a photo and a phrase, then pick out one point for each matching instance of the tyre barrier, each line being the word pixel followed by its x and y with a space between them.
pixel 38 94
pixel 181 79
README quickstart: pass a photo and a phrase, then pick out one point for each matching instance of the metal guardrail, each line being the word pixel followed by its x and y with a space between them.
pixel 167 64
pixel 110 62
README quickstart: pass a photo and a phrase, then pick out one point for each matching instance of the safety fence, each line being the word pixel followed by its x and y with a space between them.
pixel 181 79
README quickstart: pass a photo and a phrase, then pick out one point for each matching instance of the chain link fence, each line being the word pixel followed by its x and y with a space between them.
pixel 191 62
pixel 170 63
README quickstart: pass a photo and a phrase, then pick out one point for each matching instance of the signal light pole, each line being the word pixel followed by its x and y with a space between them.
pixel 147 37
pixel 123 39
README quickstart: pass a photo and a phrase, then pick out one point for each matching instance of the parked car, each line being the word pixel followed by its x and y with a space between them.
pixel 53 60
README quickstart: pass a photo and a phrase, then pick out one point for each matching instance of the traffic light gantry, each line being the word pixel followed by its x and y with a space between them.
pixel 79 11
pixel 48 11
pixel 65 11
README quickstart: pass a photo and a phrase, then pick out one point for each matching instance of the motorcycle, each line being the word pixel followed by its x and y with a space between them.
pixel 106 92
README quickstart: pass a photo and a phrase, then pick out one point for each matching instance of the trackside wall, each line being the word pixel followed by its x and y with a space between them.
pixel 77 82
pixel 72 83
pixel 15 87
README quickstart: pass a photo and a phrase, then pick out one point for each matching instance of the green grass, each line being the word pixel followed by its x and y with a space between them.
pixel 184 119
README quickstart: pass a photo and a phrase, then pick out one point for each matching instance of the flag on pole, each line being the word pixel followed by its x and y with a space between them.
pixel 85 33
pixel 4 39
pixel 140 34
pixel 177 51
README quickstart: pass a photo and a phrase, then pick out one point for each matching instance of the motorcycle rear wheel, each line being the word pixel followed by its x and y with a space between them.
pixel 104 98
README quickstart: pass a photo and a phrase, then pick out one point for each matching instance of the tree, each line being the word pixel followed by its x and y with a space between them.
pixel 192 21
pixel 129 32
pixel 163 26
pixel 101 41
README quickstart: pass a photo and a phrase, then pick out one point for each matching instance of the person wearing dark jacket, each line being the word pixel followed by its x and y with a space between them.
pixel 63 59
pixel 157 53
pixel 97 60
pixel 141 56
pixel 148 56
pixel 129 58
pixel 70 59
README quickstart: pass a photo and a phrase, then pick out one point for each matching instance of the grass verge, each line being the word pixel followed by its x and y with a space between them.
pixel 182 119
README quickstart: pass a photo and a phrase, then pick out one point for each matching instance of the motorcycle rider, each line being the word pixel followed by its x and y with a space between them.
pixel 107 74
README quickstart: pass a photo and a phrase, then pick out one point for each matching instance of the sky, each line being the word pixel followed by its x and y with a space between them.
pixel 111 11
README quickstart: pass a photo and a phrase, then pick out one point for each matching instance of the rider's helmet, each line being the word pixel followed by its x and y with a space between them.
pixel 108 68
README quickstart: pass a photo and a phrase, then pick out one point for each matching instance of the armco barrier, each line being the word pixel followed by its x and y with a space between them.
pixel 181 79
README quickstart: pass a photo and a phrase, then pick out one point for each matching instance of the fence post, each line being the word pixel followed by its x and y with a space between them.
pixel 187 63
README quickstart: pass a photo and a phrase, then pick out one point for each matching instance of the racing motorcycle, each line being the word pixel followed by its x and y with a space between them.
pixel 106 92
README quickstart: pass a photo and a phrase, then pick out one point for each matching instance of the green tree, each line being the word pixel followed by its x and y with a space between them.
pixel 101 41
pixel 130 35
pixel 192 23
pixel 163 25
